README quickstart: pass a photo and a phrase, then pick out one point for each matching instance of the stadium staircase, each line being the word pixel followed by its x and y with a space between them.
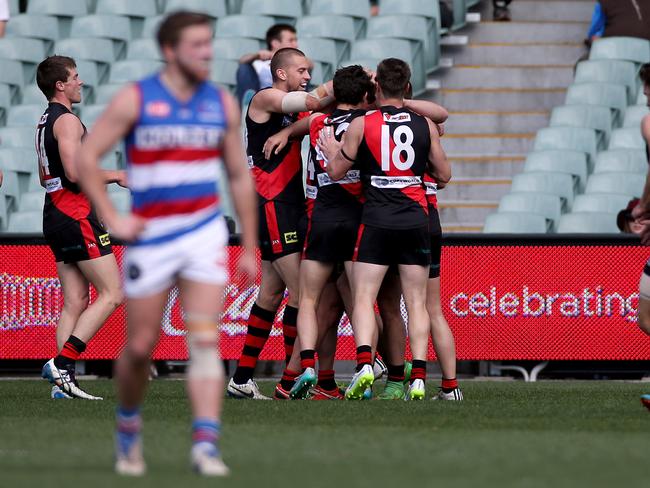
pixel 500 90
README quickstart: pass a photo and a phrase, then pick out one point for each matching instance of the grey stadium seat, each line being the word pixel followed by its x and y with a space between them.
pixel 10 189
pixel 555 161
pixel 213 8
pixel 609 71
pixel 625 48
pixel 90 113
pixel 545 204
pixel 515 223
pixel 283 11
pixel 560 184
pixel 634 115
pixel 25 49
pixel 143 49
pixel 320 49
pixel 89 48
pixel 150 26
pixel 30 222
pixel 224 72
pixel 424 8
pixel 44 27
pixel 588 223
pixel 129 8
pixel 121 199
pixel 359 11
pixel 253 26
pixel 641 98
pixel 32 200
pixel 629 138
pixel 113 27
pixel 131 70
pixel 105 92
pixel 608 94
pixel 4 212
pixel 623 160
pixel 596 117
pixel 32 94
pixel 234 47
pixel 63 11
pixel 28 115
pixel 572 138
pixel 622 183
pixel 600 202
pixel 338 28
pixel 18 137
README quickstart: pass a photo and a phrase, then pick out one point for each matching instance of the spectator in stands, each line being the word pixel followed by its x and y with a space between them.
pixel 254 72
pixel 626 221
pixel 374 7
pixel 613 18
pixel 501 11
pixel 4 16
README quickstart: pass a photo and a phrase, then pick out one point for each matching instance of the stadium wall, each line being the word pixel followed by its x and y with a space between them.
pixel 505 297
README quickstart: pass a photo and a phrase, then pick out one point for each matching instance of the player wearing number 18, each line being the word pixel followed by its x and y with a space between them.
pixel 393 147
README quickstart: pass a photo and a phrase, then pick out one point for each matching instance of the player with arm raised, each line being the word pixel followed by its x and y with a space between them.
pixel 80 243
pixel 281 207
pixel 178 129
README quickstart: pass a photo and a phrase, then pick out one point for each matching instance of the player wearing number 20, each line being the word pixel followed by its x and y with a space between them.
pixel 392 147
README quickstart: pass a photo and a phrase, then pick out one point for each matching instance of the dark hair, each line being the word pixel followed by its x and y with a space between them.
pixel 275 33
pixel 644 73
pixel 169 31
pixel 53 69
pixel 351 84
pixel 624 217
pixel 281 58
pixel 393 76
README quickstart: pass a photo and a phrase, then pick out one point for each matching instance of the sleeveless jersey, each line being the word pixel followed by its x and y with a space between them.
pixel 62 197
pixel 173 154
pixel 329 200
pixel 431 189
pixel 392 157
pixel 280 177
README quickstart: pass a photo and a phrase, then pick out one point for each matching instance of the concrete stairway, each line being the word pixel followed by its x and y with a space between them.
pixel 499 92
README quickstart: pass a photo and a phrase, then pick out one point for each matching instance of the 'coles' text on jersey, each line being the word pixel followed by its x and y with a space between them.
pixel 392 157
pixel 329 200
pixel 173 154
pixel 280 177
pixel 64 200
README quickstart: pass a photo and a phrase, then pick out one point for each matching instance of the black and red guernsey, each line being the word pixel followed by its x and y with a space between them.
pixel 393 156
pixel 279 178
pixel 64 201
pixel 329 200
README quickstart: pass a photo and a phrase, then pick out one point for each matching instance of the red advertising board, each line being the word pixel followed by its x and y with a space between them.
pixel 502 302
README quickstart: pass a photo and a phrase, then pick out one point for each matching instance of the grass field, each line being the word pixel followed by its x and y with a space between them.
pixel 504 434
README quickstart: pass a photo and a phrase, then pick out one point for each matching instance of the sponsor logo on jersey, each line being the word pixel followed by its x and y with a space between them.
pixel 53 184
pixel 151 137
pixel 104 240
pixel 397 118
pixel 311 191
pixel 352 176
pixel 290 237
pixel 210 111
pixel 395 181
pixel 91 245
pixel 431 187
pixel 157 108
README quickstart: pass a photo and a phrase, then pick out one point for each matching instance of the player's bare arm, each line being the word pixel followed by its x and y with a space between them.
pixel 277 142
pixel 242 188
pixel 430 110
pixel 438 163
pixel 341 155
pixel 642 210
pixel 274 100
pixel 111 127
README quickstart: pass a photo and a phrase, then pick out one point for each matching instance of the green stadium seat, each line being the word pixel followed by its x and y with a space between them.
pixel 132 70
pixel 424 8
pixel 90 113
pixel 213 8
pixel 114 27
pixel 18 136
pixel 560 184
pixel 626 48
pixel 624 160
pixel 63 11
pixel 412 28
pixel 621 183
pixel 22 161
pixel 609 71
pixel 128 8
pixel 359 11
pixel 25 49
pixel 607 94
pixel 143 49
pixel 31 200
pixel 253 26
pixel 596 117
pixel 283 11
pixel 600 202
pixel 571 138
pixel 10 189
pixel 545 204
pixel 44 27
pixel 634 115
pixel 588 223
pixel 89 48
pixel 320 49
pixel 104 93
pixel 32 94
pixel 6 98
pixel 515 223
pixel 339 28
pixel 629 138
pixel 571 162
pixel 26 115
pixel 398 48
pixel 150 26
pixel 234 47
pixel 224 72
pixel 12 74
pixel 30 222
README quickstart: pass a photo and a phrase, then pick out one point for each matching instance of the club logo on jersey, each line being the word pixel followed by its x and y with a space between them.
pixel 397 118
pixel 287 120
pixel 395 181
pixel 290 237
pixel 134 272
pixel 210 111
pixel 157 108
pixel 43 119
pixel 104 240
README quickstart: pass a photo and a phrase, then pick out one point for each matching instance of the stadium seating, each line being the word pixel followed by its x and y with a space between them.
pixel 32 25
pixel 359 11
pixel 321 49
pixel 128 8
pixel 607 94
pixel 213 8
pixel 90 48
pixel 30 222
pixel 223 72
pixel 629 138
pixel 253 26
pixel 600 202
pixel 131 70
pixel 590 116
pixel 283 11
pixel 25 115
pixel 121 198
pixel 624 160
pixel 622 183
pixel 90 113
pixel 545 204
pixel 105 92
pixel 31 200
pixel 572 138
pixel 4 212
pixel 338 28
pixel 609 71
pixel 515 223
pixel 641 98
pixel 150 27
pixel 625 48
pixel 32 94
pixel 143 49
pixel 235 47
pixel 6 98
pixel 634 115
pixel 560 184
pixel 422 8
pixel 588 223
pixel 571 162
pixel 18 136
pixel 10 188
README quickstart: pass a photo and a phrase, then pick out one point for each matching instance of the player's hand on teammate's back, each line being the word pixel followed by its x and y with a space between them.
pixel 275 144
pixel 247 267
pixel 126 227
pixel 328 144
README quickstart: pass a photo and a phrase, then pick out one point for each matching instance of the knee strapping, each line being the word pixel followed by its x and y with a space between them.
pixel 204 362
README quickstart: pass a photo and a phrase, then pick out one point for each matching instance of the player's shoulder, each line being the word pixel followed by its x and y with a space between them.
pixel 645 124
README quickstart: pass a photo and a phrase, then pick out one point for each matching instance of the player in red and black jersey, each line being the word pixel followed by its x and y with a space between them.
pixel 281 198
pixel 79 242
pixel 393 147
